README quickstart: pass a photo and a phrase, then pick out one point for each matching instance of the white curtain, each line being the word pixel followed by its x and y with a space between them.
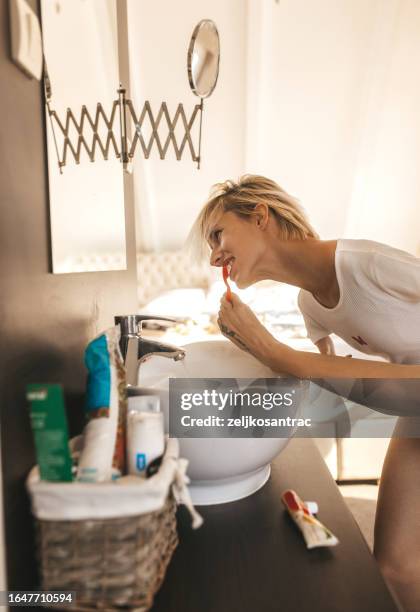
pixel 334 111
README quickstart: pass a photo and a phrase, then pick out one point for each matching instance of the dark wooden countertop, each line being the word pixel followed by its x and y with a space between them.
pixel 249 557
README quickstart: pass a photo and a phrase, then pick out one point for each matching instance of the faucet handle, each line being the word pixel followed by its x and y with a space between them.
pixel 129 323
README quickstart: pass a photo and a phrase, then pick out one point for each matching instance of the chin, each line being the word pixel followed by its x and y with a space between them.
pixel 243 284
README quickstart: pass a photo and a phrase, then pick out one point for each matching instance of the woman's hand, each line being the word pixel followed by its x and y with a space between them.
pixel 238 323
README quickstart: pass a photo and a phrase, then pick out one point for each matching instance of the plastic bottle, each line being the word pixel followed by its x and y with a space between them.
pixel 145 433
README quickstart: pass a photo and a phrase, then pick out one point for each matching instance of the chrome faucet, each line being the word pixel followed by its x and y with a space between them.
pixel 135 348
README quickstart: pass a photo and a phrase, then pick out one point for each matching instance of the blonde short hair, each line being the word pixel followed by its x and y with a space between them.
pixel 242 197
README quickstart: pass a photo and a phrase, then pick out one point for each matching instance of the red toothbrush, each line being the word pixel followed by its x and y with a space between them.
pixel 225 278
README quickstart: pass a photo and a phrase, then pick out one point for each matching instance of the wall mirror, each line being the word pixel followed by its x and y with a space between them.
pixel 86 199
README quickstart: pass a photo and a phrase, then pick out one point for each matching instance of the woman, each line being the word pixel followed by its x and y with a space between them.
pixel 365 292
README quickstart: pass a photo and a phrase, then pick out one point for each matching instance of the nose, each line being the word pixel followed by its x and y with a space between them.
pixel 216 257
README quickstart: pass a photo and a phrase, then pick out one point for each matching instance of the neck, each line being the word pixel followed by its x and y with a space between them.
pixel 308 264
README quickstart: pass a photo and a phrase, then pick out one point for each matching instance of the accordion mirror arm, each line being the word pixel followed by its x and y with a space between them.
pixel 100 133
pixel 123 128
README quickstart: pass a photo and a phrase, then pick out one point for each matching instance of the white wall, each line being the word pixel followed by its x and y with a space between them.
pixel 321 95
pixel 170 193
pixel 307 73
pixel 334 111
pixel 385 202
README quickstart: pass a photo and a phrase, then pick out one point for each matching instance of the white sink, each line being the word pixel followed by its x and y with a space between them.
pixel 221 469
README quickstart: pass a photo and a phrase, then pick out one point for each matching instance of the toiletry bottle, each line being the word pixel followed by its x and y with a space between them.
pixel 145 433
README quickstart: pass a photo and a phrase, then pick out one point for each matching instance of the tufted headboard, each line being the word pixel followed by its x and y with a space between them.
pixel 156 272
pixel 160 272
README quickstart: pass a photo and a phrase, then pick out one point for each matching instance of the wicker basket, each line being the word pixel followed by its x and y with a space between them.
pixel 110 542
pixel 111 563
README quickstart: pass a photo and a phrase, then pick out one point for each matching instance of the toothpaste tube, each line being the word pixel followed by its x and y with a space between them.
pixel 314 532
pixel 104 451
pixel 49 425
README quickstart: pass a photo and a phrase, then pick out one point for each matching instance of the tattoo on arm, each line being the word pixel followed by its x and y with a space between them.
pixel 234 336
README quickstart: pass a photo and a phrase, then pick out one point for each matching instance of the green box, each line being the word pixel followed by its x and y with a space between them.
pixel 49 426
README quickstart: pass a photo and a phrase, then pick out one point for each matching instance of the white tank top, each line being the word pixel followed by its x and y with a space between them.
pixel 378 311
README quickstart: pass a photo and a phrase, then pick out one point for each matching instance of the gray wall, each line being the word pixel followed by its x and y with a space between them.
pixel 45 319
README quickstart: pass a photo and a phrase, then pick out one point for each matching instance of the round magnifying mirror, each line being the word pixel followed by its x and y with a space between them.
pixel 203 58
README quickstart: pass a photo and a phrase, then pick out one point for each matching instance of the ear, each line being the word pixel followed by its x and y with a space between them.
pixel 262 213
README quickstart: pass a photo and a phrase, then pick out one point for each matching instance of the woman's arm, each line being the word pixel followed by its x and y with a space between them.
pixel 281 358
pixel 239 323
pixel 390 396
